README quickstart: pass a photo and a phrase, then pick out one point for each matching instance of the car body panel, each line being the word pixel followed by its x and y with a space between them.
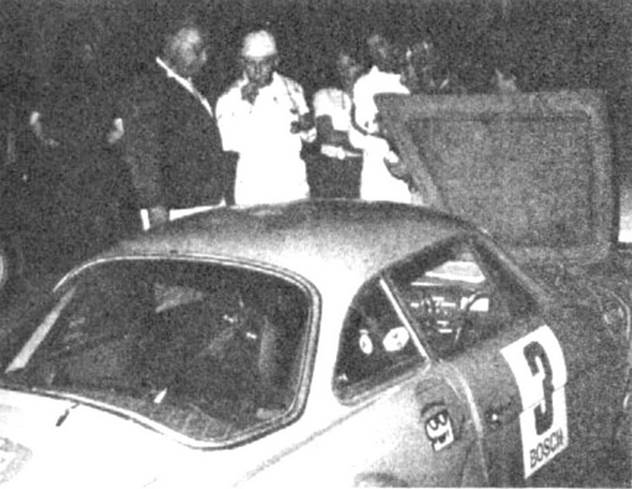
pixel 53 434
pixel 444 421
pixel 389 425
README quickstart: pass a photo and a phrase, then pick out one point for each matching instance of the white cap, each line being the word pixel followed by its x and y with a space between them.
pixel 259 44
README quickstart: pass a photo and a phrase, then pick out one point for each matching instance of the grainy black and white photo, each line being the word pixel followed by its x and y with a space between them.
pixel 315 243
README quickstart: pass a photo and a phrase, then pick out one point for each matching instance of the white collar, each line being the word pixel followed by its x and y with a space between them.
pixel 185 82
pixel 274 81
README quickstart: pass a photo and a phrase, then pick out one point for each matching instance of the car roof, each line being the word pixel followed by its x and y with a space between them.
pixel 304 236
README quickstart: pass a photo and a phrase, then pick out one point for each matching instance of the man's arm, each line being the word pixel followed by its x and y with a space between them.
pixel 142 152
pixel 364 110
pixel 304 125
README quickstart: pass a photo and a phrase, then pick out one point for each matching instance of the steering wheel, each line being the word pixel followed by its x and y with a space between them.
pixel 462 320
pixel 428 309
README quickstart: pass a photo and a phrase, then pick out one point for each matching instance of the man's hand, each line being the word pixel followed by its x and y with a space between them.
pixel 38 131
pixel 116 131
pixel 305 122
pixel 396 166
pixel 249 92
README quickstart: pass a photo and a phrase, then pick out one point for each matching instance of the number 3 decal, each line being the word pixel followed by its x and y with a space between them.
pixel 537 363
pixel 534 352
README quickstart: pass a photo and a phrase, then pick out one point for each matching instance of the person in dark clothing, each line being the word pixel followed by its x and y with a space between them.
pixel 85 187
pixel 171 142
pixel 335 172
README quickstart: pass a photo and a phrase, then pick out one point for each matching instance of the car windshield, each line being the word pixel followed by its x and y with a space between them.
pixel 205 349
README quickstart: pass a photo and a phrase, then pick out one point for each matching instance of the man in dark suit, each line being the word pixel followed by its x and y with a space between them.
pixel 172 144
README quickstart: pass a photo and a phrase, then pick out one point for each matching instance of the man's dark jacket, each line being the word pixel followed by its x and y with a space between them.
pixel 172 145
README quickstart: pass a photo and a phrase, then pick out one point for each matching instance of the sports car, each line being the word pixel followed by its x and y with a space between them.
pixel 323 343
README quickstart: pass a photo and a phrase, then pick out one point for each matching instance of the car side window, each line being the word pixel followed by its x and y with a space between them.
pixel 375 344
pixel 458 295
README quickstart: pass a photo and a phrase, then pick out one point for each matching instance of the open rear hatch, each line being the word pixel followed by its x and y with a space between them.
pixel 534 169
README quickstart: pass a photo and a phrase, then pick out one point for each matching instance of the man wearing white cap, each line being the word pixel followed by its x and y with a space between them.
pixel 264 118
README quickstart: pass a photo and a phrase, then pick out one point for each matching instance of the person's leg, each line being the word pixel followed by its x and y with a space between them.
pixel 325 177
pixel 347 178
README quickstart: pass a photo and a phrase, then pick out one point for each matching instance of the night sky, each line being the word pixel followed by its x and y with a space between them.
pixel 550 45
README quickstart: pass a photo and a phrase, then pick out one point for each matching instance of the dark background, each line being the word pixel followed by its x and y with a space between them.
pixel 551 45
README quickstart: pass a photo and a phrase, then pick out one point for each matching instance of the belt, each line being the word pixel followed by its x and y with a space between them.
pixel 339 153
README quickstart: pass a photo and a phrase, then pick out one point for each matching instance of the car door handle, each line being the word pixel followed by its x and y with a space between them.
pixel 493 418
pixel 498 415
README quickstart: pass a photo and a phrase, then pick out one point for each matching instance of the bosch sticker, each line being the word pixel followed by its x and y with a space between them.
pixel 537 363
pixel 439 429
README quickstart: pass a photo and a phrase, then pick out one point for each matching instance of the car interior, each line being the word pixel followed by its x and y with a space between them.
pixel 458 296
pixel 223 342
pixel 453 295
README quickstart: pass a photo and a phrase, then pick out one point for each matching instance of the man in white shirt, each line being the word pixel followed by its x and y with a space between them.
pixel 378 183
pixel 264 118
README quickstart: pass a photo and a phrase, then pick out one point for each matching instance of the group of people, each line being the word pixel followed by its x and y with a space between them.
pixel 265 120
pixel 180 152
pixel 164 149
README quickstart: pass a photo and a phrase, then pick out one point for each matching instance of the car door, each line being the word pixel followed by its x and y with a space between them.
pixel 481 323
pixel 384 376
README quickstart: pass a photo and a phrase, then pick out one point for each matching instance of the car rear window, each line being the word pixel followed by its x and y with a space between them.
pixel 205 349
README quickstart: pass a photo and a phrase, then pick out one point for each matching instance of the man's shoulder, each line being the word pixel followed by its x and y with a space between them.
pixel 369 75
pixel 233 89
pixel 376 81
pixel 364 81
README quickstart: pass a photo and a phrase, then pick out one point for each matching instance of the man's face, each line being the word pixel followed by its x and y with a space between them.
pixel 424 55
pixel 503 82
pixel 348 70
pixel 383 53
pixel 259 70
pixel 87 53
pixel 409 78
pixel 190 50
pixel 86 56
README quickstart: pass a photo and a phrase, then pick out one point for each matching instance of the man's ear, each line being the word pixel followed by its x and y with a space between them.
pixel 172 50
